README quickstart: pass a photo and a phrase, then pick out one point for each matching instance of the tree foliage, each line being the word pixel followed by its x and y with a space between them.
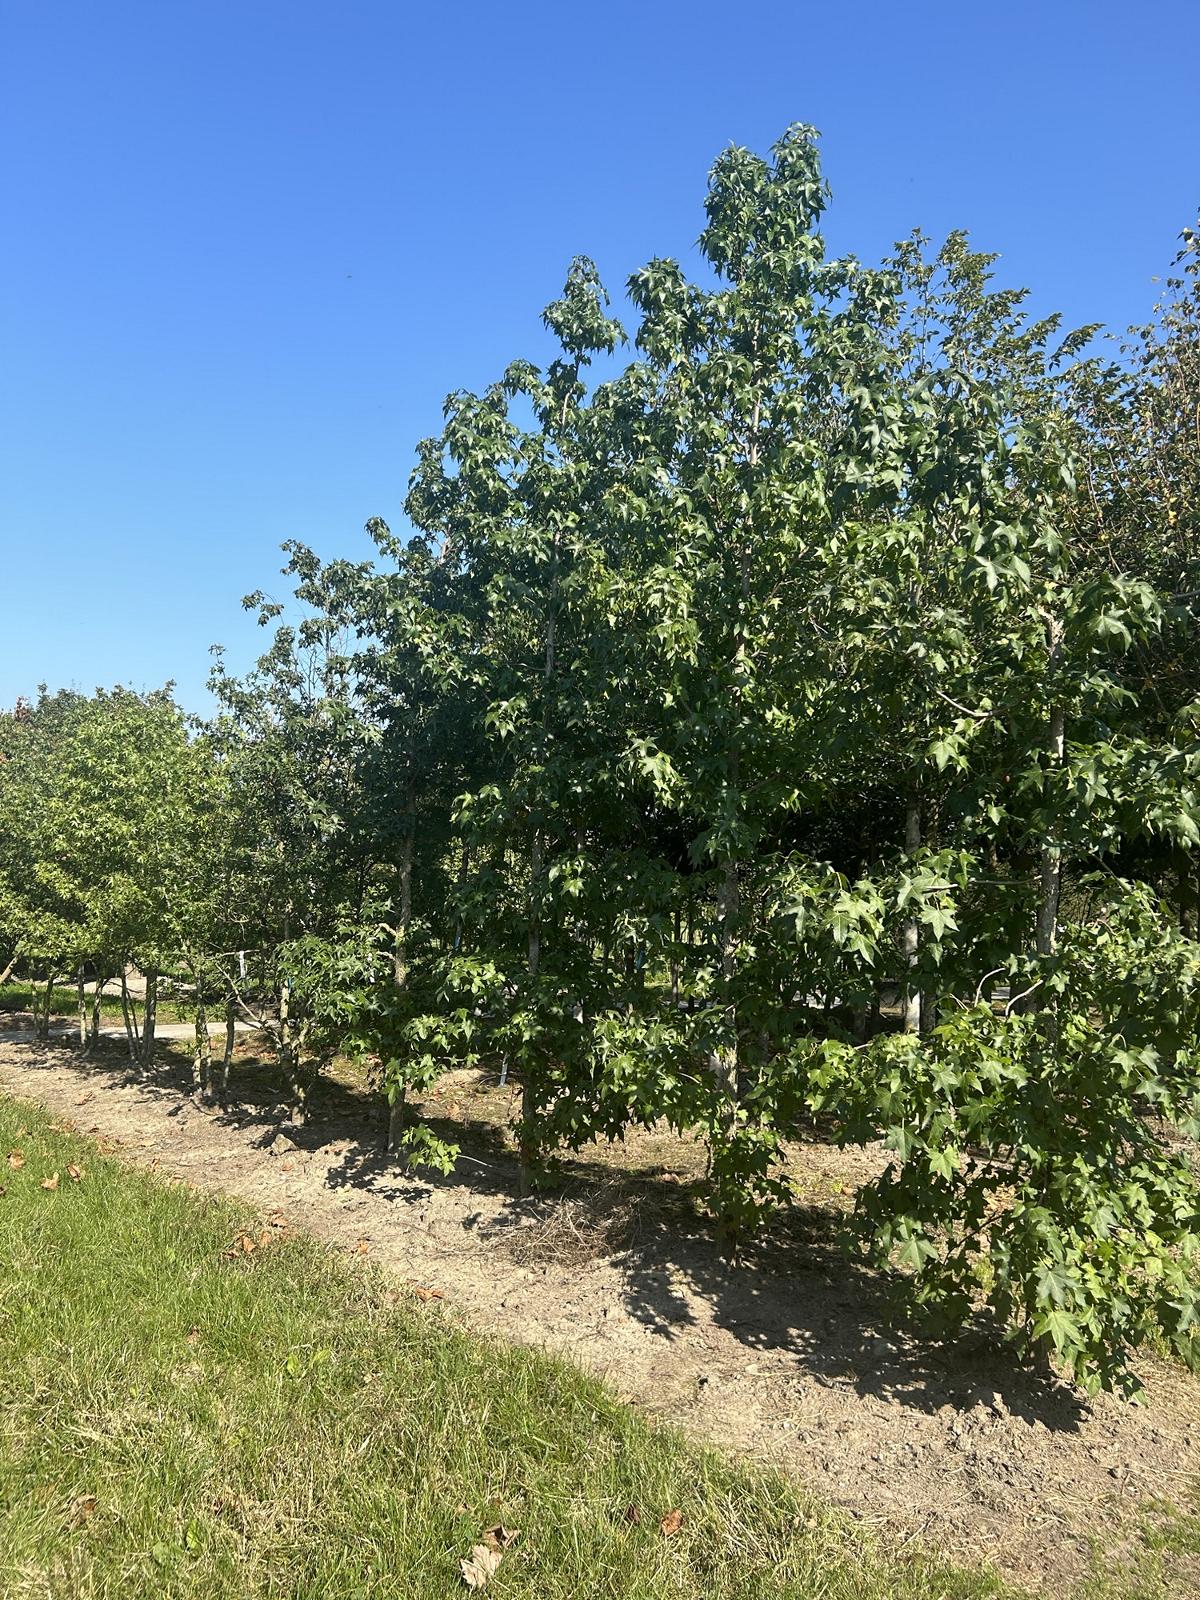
pixel 780 723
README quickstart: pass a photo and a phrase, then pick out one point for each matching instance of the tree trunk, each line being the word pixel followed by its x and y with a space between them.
pixel 528 1152
pixel 395 1130
pixel 149 1017
pixel 202 1056
pixel 395 1127
pixel 97 1009
pixel 725 1061
pixel 43 1021
pixel 129 1012
pixel 1051 864
pixel 6 974
pixel 227 1058
pixel 289 1058
pixel 82 998
pixel 911 1009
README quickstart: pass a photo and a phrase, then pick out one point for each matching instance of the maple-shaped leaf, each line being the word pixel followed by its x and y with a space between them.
pixel 479 1566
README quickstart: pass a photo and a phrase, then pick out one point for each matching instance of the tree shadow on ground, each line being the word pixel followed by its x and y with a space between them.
pixel 796 1293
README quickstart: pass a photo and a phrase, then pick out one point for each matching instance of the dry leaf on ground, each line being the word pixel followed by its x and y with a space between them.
pixel 427 1294
pixel 479 1566
pixel 16 1160
pixel 671 1523
pixel 75 1173
pixel 51 1182
pixel 499 1537
pixel 81 1508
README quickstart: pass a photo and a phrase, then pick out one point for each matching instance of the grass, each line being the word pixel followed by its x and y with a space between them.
pixel 64 1002
pixel 178 1419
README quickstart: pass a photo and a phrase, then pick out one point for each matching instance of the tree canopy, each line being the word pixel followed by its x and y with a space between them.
pixel 781 723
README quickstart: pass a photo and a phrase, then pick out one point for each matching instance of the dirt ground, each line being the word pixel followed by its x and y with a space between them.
pixel 787 1357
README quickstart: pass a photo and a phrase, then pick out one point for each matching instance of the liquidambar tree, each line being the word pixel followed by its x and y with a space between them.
pixel 757 737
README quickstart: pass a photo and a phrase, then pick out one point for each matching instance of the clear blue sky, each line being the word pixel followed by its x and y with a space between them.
pixel 250 245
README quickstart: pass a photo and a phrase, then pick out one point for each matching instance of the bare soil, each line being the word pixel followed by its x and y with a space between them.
pixel 788 1357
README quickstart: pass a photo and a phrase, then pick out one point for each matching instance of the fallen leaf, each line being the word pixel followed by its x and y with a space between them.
pixel 51 1182
pixel 286 1166
pixel 499 1537
pixel 427 1294
pixel 81 1508
pixel 361 1248
pixel 671 1524
pixel 75 1173
pixel 246 1244
pixel 479 1566
pixel 84 1098
pixel 633 1516
pixel 16 1160
pixel 265 1238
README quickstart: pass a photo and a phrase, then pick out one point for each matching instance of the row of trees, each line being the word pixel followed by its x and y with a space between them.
pixel 791 731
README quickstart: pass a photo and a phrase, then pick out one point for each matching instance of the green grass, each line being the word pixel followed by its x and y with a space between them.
pixel 283 1424
pixel 64 1002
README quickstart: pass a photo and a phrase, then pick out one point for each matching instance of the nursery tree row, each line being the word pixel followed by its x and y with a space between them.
pixel 780 722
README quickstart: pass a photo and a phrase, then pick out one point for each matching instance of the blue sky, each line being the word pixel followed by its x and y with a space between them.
pixel 251 245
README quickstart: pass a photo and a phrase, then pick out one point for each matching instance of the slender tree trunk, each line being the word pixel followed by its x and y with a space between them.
pixel 911 1009
pixel 464 867
pixel 527 1151
pixel 395 1130
pixel 289 1057
pixel 1051 864
pixel 82 998
pixel 43 1022
pixel 149 1018
pixel 725 1060
pixel 97 1009
pixel 227 1058
pixel 6 974
pixel 202 1055
pixel 129 1012
pixel 931 990
pixel 534 953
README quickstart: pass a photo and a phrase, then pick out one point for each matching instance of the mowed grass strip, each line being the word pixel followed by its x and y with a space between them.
pixel 183 1418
